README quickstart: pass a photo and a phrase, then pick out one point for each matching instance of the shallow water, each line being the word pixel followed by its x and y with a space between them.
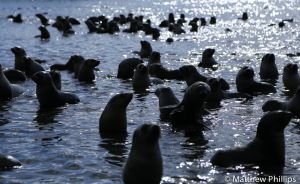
pixel 63 146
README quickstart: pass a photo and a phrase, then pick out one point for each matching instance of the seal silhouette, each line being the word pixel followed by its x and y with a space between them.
pixel 146 50
pixel 245 83
pixel 43 19
pixel 144 163
pixel 19 54
pixel 159 71
pixel 291 77
pixel 31 67
pixel 45 35
pixel 48 95
pixel 292 105
pixel 127 66
pixel 191 109
pixel 166 98
pixel 71 64
pixel 85 71
pixel 8 162
pixel 217 94
pixel 113 120
pixel 8 90
pixel 191 75
pixel 266 150
pixel 207 59
pixel 268 68
pixel 141 79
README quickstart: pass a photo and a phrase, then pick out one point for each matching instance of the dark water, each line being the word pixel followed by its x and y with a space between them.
pixel 63 146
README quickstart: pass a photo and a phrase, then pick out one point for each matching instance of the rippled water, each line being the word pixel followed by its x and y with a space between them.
pixel 63 146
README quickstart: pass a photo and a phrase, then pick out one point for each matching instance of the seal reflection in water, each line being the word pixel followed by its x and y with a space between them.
pixel 267 150
pixel 144 163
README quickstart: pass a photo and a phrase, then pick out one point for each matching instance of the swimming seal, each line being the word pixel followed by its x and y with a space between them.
pixel 157 70
pixel 191 75
pixel 19 54
pixel 113 120
pixel 292 105
pixel 154 58
pixel 165 97
pixel 127 66
pixel 290 77
pixel 70 65
pixel 207 59
pixel 141 79
pixel 45 35
pixel 146 50
pixel 217 94
pixel 8 90
pixel 43 19
pixel 31 67
pixel 144 163
pixel 85 71
pixel 191 109
pixel 47 94
pixel 16 19
pixel 266 150
pixel 268 68
pixel 8 162
pixel 245 83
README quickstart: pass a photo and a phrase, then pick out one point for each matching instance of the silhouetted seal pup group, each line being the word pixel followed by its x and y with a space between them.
pixel 144 163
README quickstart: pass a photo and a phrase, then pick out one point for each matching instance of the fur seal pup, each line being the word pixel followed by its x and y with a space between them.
pixel 43 19
pixel 213 20
pixel 146 50
pixel 268 68
pixel 85 72
pixel 291 77
pixel 245 83
pixel 19 54
pixel 191 75
pixel 292 105
pixel 207 59
pixel 266 150
pixel 113 120
pixel 31 66
pixel 45 35
pixel 157 70
pixel 141 79
pixel 70 65
pixel 165 97
pixel 244 16
pixel 8 162
pixel 8 90
pixel 16 19
pixel 127 66
pixel 144 163
pixel 48 95
pixel 217 94
pixel 14 75
pixel 154 58
pixel 189 112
